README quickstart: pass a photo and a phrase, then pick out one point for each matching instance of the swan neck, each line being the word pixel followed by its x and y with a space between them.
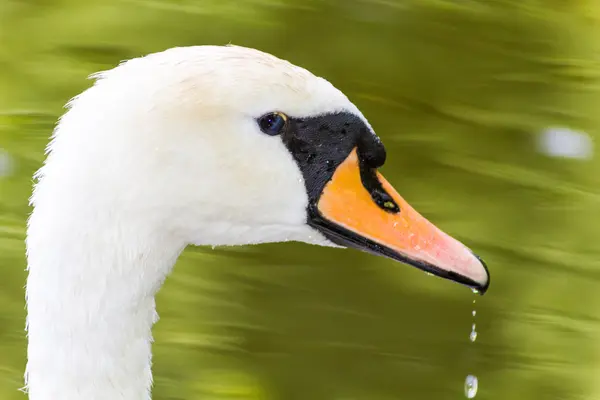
pixel 90 302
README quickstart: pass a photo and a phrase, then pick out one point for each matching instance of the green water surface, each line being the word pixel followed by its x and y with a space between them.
pixel 459 92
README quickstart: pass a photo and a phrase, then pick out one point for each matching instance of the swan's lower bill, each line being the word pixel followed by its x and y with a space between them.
pixel 358 208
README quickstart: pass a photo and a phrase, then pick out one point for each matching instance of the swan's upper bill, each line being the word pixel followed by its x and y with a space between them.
pixel 203 145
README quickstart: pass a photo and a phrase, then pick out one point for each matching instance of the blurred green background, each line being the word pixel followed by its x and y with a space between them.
pixel 462 93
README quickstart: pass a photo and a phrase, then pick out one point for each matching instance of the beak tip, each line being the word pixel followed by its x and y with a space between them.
pixel 483 287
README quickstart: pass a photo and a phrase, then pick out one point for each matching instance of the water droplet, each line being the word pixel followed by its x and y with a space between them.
pixel 473 335
pixel 471 386
pixel 471 383
pixel 429 273
pixel 475 291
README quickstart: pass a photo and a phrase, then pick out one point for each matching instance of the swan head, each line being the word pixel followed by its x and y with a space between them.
pixel 231 146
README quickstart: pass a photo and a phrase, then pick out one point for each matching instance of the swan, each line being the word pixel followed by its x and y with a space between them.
pixel 200 145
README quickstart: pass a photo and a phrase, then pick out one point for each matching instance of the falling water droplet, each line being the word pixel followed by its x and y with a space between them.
pixel 471 386
pixel 471 383
pixel 475 291
pixel 473 335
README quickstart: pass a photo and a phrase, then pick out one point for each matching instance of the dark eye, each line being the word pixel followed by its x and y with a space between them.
pixel 272 123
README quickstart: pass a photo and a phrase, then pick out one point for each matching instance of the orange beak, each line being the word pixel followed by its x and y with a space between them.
pixel 359 208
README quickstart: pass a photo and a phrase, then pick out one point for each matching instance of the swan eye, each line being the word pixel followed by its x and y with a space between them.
pixel 273 123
